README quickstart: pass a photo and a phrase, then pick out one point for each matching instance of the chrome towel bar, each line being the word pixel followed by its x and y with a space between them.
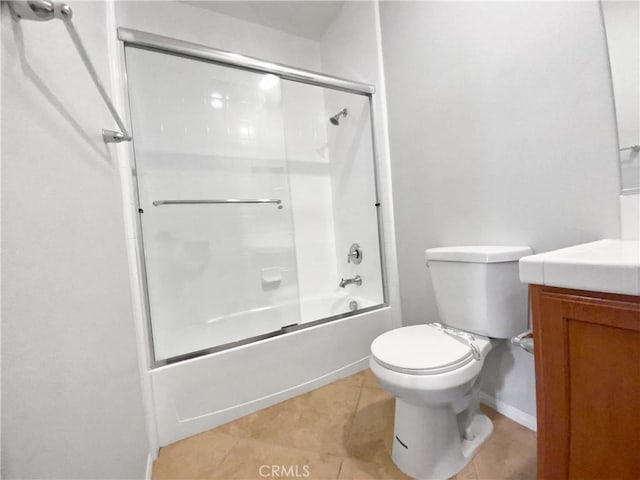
pixel 224 201
pixel 43 10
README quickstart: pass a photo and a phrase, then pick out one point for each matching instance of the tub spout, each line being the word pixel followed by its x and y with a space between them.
pixel 357 280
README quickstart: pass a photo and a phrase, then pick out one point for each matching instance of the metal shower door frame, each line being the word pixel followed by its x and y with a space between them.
pixel 197 52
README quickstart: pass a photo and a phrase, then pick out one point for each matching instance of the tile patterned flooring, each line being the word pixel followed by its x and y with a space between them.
pixel 340 431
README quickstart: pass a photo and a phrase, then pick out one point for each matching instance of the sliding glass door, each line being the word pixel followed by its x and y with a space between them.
pixel 214 193
pixel 258 202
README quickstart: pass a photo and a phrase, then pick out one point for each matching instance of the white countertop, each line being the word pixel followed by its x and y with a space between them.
pixel 604 266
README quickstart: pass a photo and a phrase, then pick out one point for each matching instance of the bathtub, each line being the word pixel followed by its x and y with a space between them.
pixel 201 393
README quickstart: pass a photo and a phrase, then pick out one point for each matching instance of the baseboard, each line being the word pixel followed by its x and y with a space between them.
pixel 509 411
pixel 147 475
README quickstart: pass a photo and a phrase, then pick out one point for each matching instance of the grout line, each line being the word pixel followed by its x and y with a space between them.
pixel 358 402
pixel 340 469
pixel 224 457
pixel 221 461
pixel 352 420
pixel 374 388
pixel 473 466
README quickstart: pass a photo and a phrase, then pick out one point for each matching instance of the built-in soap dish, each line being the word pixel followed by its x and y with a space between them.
pixel 271 277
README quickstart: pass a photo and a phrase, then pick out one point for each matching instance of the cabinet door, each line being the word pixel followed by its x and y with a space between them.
pixel 587 349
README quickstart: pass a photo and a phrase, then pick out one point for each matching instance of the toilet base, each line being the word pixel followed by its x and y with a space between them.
pixel 427 443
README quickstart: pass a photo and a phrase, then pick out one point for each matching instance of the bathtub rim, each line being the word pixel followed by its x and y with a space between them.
pixel 155 364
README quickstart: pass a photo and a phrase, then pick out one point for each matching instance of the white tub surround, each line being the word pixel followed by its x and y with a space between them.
pixel 608 265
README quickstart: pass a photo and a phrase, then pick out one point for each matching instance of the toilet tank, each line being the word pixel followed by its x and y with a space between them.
pixel 478 290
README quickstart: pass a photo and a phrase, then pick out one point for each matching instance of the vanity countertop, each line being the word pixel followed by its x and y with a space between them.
pixel 609 265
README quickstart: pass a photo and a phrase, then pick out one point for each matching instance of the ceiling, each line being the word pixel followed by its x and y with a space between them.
pixel 308 19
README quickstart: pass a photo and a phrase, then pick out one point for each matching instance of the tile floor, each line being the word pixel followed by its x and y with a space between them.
pixel 340 431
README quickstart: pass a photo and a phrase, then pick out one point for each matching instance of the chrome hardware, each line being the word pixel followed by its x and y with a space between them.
pixel 357 280
pixel 355 254
pixel 353 306
pixel 462 336
pixel 194 50
pixel 524 341
pixel 111 136
pixel 66 12
pixel 277 201
pixel 633 148
pixel 335 120
pixel 39 10
pixel 43 10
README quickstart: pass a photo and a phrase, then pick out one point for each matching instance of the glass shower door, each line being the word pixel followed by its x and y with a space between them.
pixel 335 205
pixel 215 202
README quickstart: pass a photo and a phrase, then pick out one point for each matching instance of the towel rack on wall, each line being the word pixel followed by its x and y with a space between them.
pixel 43 10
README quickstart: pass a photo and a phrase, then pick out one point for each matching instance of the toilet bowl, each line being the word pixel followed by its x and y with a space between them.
pixel 434 369
pixel 434 378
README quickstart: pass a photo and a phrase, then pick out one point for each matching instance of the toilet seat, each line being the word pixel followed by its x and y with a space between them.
pixel 420 350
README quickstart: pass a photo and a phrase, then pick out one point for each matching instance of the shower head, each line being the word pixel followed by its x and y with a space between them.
pixel 335 120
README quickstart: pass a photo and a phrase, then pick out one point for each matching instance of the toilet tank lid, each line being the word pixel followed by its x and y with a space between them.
pixel 478 254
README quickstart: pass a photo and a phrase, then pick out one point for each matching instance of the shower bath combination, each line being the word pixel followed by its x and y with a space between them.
pixel 222 267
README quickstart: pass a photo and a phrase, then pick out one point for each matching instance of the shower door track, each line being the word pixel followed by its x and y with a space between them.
pixel 275 333
pixel 172 46
pixel 223 57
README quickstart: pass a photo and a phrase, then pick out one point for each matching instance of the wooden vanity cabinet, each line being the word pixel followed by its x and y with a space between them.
pixel 587 357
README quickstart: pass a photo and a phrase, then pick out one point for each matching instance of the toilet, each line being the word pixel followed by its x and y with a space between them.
pixel 433 369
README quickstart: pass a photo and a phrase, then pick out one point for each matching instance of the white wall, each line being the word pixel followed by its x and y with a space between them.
pixel 200 25
pixel 502 131
pixel 71 405
pixel 622 24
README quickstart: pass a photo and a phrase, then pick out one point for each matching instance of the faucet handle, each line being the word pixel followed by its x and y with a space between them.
pixel 355 254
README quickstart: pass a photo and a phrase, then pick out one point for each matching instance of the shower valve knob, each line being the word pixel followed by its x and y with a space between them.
pixel 355 254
